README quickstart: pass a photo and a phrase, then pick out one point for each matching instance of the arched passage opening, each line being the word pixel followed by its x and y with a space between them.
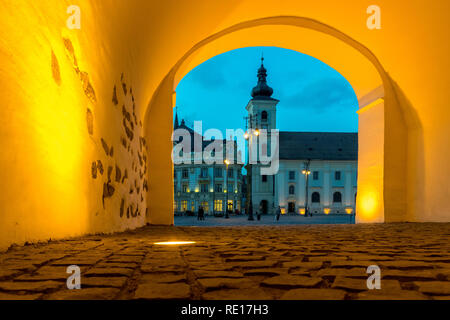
pixel 382 173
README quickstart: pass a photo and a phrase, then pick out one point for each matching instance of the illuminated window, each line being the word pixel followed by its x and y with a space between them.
pixel 337 197
pixel 315 197
pixel 230 205
pixel 184 205
pixel 175 206
pixel 238 205
pixel 205 205
pixel 218 205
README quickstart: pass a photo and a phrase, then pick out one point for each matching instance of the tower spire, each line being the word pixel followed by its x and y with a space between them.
pixel 262 90
pixel 176 124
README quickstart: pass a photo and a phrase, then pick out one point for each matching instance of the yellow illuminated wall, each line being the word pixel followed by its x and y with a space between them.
pixel 58 101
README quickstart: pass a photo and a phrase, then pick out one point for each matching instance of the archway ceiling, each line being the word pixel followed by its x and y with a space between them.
pixel 342 57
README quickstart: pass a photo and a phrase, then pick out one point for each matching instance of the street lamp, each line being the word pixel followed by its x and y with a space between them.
pixel 306 172
pixel 227 163
pixel 250 122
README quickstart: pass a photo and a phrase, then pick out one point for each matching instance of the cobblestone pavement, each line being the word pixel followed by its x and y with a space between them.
pixel 266 220
pixel 265 262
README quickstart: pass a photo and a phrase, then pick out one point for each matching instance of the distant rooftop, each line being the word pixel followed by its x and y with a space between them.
pixel 318 146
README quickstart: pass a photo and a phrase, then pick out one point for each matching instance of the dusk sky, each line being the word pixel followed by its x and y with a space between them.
pixel 313 96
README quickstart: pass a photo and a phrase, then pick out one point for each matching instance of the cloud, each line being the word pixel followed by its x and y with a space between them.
pixel 319 95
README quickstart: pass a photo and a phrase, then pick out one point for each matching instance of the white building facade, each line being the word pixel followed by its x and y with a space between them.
pixel 317 170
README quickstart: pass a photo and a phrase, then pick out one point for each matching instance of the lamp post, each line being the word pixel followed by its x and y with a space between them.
pixel 249 135
pixel 227 162
pixel 306 172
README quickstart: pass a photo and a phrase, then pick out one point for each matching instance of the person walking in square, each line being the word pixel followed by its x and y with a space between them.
pixel 201 213
pixel 278 214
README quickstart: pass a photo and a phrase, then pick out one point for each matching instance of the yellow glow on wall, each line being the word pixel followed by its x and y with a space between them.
pixel 369 204
pixel 326 211
pixel 302 211
pixel 349 210
pixel 283 210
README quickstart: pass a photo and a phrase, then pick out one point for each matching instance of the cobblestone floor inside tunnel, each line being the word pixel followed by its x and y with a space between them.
pixel 267 262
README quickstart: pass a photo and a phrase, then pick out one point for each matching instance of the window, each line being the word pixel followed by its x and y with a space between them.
pixel 230 188
pixel 337 175
pixel 174 174
pixel 264 116
pixel 204 188
pixel 316 175
pixel 204 173
pixel 291 190
pixel 185 188
pixel 218 187
pixel 205 206
pixel 185 173
pixel 264 178
pixel 230 173
pixel 184 205
pixel 337 197
pixel 218 172
pixel 230 205
pixel 218 205
pixel 238 205
pixel 315 197
pixel 291 175
pixel 175 206
pixel 193 206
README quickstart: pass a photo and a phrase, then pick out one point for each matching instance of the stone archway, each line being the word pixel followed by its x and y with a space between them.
pixel 382 172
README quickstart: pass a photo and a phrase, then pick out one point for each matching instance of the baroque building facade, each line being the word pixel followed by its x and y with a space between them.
pixel 317 171
pixel 214 186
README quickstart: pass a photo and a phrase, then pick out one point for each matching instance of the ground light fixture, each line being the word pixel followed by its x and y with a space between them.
pixel 173 243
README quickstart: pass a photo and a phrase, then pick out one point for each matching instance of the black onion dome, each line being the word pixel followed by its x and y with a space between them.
pixel 262 90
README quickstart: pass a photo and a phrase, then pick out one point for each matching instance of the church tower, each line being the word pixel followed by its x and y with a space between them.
pixel 261 111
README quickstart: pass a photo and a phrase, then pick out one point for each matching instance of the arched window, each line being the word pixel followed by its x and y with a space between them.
pixel 291 190
pixel 315 197
pixel 264 116
pixel 337 197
